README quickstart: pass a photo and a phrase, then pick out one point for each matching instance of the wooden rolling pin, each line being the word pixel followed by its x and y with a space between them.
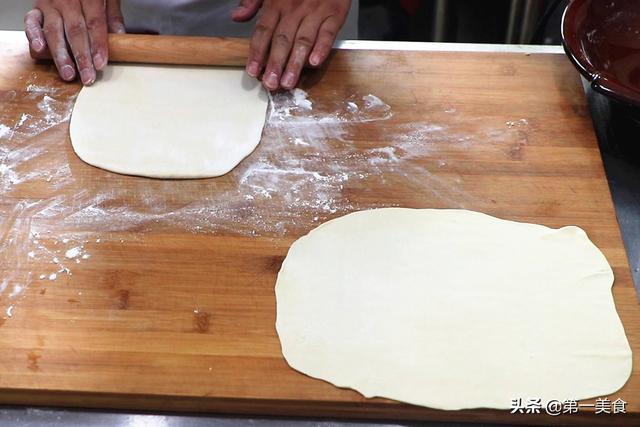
pixel 181 50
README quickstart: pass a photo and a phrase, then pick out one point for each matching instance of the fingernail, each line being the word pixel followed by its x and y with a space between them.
pixel 38 45
pixel 67 72
pixel 288 80
pixel 315 59
pixel 98 61
pixel 119 29
pixel 87 76
pixel 272 80
pixel 253 68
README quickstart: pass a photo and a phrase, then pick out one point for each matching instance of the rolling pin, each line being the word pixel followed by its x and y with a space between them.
pixel 174 50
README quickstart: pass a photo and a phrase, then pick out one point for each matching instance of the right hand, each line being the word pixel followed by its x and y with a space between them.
pixel 80 24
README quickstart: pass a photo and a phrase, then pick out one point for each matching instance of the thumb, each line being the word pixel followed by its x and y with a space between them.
pixel 246 10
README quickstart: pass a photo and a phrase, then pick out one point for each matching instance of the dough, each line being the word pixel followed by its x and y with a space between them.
pixel 168 122
pixel 451 309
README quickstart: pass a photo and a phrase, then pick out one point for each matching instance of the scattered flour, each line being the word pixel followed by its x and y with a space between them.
pixel 25 158
pixel 5 131
pixel 310 164
pixel 34 88
pixel 23 119
pixel 372 101
pixel 73 252
pixel 17 290
pixel 517 123
pixel 301 99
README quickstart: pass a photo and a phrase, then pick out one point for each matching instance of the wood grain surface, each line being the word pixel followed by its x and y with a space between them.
pixel 173 306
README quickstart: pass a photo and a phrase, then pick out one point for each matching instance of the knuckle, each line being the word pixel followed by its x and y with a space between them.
pixel 328 33
pixel 96 22
pixel 336 8
pixel 282 39
pixel 76 28
pixel 50 30
pixel 262 28
pixel 304 41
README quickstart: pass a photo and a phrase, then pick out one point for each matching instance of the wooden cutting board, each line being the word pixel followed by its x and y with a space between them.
pixel 125 292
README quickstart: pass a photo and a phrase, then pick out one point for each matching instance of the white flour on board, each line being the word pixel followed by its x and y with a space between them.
pixel 301 99
pixel 300 175
pixel 5 131
pixel 73 252
pixel 27 158
pixel 34 88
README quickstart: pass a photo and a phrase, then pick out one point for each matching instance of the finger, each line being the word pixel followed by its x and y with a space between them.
pixel 33 29
pixel 260 41
pixel 96 19
pixel 281 46
pixel 326 37
pixel 53 31
pixel 115 20
pixel 304 42
pixel 75 29
pixel 246 10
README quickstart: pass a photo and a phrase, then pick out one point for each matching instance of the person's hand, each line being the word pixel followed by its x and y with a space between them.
pixel 80 24
pixel 290 33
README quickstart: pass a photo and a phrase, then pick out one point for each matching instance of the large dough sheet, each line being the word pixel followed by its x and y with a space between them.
pixel 451 309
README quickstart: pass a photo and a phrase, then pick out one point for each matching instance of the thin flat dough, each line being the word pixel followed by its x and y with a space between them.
pixel 451 309
pixel 168 122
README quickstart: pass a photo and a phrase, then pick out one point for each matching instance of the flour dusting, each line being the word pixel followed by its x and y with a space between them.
pixel 5 131
pixel 301 99
pixel 34 88
pixel 73 252
pixel 321 156
pixel 34 172
pixel 17 290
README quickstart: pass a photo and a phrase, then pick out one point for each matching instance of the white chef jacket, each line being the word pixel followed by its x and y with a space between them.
pixel 202 18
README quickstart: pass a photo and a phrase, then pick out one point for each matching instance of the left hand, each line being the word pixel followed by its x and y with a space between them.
pixel 288 34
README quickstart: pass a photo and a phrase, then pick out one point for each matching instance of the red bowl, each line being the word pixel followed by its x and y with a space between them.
pixel 602 39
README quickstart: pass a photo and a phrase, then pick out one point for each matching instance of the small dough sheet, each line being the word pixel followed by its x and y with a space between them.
pixel 168 121
pixel 451 309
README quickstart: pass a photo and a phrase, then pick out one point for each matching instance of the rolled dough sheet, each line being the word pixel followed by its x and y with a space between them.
pixel 451 309
pixel 168 122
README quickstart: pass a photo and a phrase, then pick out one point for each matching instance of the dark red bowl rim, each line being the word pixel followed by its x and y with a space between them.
pixel 600 82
